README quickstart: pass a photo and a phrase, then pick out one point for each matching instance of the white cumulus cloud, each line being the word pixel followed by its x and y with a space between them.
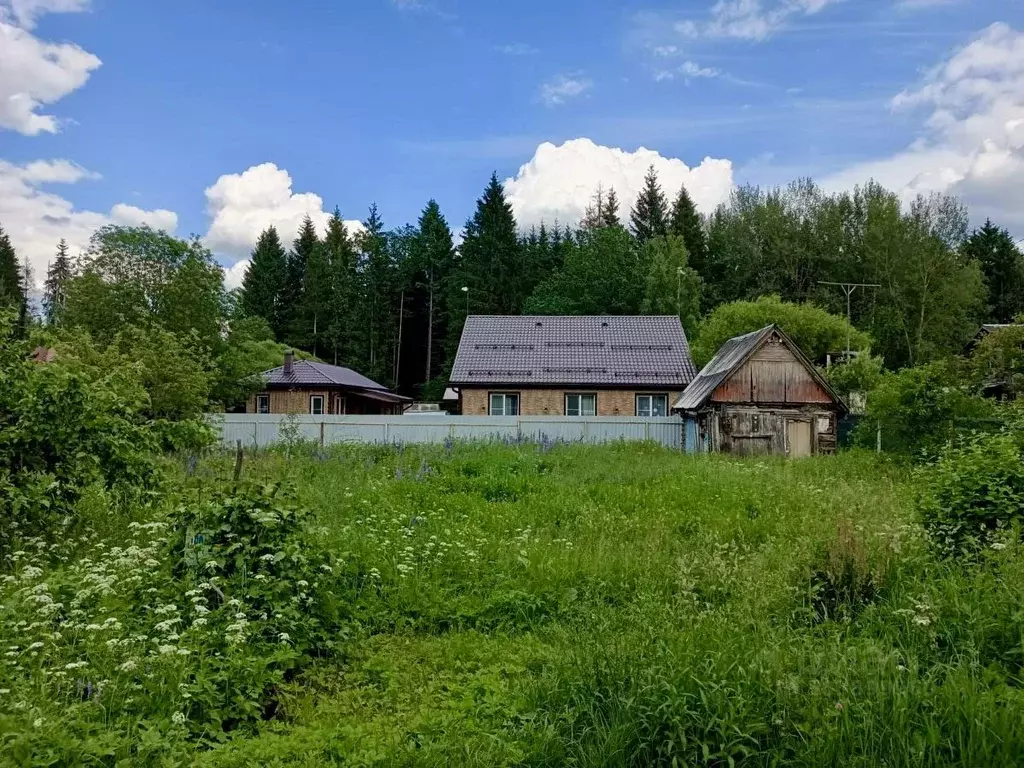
pixel 971 141
pixel 33 72
pixel 559 181
pixel 26 12
pixel 242 205
pixel 37 219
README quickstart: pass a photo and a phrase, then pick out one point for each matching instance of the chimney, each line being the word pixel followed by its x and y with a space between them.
pixel 289 360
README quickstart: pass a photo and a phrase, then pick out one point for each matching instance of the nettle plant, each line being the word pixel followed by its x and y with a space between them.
pixel 190 628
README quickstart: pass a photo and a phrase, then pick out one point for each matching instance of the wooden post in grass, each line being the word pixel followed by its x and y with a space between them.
pixel 238 460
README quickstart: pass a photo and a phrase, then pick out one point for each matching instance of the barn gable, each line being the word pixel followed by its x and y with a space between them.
pixel 763 367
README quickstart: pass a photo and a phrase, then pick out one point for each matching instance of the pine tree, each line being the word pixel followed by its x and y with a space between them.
pixel 377 312
pixel 264 288
pixel 649 217
pixel 594 216
pixel 298 330
pixel 610 214
pixel 56 287
pixel 1003 267
pixel 686 223
pixel 343 262
pixel 315 304
pixel 11 294
pixel 434 257
pixel 25 314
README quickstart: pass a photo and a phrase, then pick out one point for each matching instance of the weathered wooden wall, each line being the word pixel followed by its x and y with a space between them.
pixel 772 375
pixel 751 430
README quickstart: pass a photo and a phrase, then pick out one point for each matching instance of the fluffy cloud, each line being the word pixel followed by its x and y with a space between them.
pixel 559 181
pixel 33 72
pixel 687 71
pixel 241 205
pixel 749 19
pixel 563 88
pixel 36 219
pixel 971 141
pixel 25 12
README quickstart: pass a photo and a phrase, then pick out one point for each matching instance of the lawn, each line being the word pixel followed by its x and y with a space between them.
pixel 628 605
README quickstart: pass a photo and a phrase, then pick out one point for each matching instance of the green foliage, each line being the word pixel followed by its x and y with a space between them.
pixel 264 287
pixel 812 329
pixel 55 290
pixel 686 222
pixel 859 375
pixel 973 494
pixel 922 408
pixel 672 288
pixel 600 275
pixel 996 364
pixel 650 215
pixel 1002 265
pixel 11 291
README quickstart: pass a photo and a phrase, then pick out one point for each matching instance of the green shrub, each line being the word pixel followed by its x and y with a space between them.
pixel 974 494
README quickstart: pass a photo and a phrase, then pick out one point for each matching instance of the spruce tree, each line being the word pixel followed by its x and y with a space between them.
pixel 377 313
pixel 1003 267
pixel 649 217
pixel 315 302
pixel 610 214
pixel 264 288
pixel 298 331
pixel 11 294
pixel 434 257
pixel 25 314
pixel 55 290
pixel 343 262
pixel 686 223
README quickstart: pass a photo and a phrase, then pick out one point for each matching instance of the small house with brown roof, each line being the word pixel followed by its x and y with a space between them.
pixel 761 395
pixel 571 366
pixel 319 389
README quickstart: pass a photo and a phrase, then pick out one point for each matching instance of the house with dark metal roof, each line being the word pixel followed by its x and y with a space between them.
pixel 535 365
pixel 761 395
pixel 308 386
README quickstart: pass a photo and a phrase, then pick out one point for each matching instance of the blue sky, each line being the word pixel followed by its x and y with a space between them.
pixel 397 101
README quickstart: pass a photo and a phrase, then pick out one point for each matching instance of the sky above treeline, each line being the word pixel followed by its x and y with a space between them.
pixel 219 119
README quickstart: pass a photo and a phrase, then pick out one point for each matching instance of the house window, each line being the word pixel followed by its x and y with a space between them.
pixel 504 404
pixel 262 403
pixel 581 405
pixel 316 405
pixel 651 405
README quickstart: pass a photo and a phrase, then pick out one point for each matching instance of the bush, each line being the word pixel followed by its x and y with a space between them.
pixel 974 494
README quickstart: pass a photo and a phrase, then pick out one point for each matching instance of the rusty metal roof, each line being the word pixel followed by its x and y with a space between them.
pixel 307 373
pixel 729 358
pixel 648 351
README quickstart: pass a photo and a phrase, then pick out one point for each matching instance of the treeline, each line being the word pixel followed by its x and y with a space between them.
pixel 391 303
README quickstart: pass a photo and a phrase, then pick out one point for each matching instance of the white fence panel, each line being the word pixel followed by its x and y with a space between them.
pixel 264 430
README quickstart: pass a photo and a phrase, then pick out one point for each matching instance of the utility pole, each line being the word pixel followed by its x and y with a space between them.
pixel 679 290
pixel 848 289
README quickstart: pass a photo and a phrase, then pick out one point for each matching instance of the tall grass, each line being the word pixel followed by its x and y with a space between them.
pixel 627 605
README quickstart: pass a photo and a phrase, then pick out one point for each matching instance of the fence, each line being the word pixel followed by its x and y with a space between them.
pixel 262 430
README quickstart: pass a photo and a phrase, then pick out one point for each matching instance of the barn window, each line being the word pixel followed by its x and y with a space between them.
pixel 262 403
pixel 504 404
pixel 316 405
pixel 581 405
pixel 651 405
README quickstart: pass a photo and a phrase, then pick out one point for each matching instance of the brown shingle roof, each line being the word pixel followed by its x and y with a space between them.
pixel 307 373
pixel 649 351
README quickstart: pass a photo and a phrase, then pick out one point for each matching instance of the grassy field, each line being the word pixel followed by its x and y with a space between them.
pixel 617 605
pixel 627 606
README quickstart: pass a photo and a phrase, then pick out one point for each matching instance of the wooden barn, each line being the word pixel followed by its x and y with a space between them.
pixel 760 395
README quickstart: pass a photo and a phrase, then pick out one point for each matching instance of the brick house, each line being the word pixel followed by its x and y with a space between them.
pixel 571 366
pixel 318 389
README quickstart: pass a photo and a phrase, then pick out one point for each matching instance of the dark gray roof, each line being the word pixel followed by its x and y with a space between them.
pixel 649 351
pixel 306 373
pixel 729 358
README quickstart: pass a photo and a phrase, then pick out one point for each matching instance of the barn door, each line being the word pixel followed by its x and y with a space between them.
pixel 798 438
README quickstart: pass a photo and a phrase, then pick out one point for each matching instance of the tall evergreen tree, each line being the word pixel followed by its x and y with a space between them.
pixel 264 287
pixel 55 290
pixel 378 312
pixel 303 247
pixel 686 223
pixel 434 257
pixel 11 294
pixel 649 217
pixel 343 262
pixel 610 214
pixel 316 301
pixel 1003 267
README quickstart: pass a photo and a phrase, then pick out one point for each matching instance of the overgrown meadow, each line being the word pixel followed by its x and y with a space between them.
pixel 512 605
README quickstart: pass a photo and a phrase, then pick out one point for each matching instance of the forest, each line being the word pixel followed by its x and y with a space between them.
pixel 391 302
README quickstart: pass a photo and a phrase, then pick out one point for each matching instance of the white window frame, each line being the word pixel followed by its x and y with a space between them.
pixel 505 399
pixel 578 410
pixel 648 412
pixel 312 410
pixel 340 405
pixel 260 400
